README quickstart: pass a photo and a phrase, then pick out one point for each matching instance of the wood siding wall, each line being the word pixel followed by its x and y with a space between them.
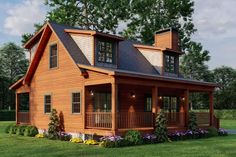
pixel 60 83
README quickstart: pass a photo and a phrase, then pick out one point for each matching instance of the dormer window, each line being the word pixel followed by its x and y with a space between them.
pixel 105 51
pixel 170 63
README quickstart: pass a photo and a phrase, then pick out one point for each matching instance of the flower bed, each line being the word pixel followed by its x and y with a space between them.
pixel 131 138
pixel 184 135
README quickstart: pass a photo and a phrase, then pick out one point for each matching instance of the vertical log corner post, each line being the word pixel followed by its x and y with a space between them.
pixel 211 106
pixel 114 99
pixel 186 106
pixel 154 103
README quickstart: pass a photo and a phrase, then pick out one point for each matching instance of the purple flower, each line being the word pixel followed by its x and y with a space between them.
pixel 111 138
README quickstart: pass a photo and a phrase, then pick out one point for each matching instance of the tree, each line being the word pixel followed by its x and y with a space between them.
pixel 226 92
pixel 146 17
pixel 192 121
pixel 13 66
pixel 161 127
pixel 193 63
pixel 98 15
pixel 54 125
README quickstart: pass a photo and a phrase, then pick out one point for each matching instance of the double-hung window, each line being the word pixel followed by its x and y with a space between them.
pixel 47 103
pixel 53 58
pixel 76 101
pixel 170 63
pixel 105 52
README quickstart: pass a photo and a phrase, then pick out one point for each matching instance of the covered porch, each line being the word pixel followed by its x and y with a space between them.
pixel 133 104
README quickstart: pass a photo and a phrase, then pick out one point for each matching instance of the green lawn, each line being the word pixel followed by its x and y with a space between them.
pixel 14 146
pixel 228 124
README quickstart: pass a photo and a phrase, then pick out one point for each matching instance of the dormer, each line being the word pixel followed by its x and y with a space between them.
pixel 168 40
pixel 100 49
pixel 165 52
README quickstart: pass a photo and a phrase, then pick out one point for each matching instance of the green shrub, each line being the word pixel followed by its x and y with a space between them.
pixel 112 144
pixel 12 129
pixel 133 137
pixel 31 131
pixel 161 127
pixel 212 132
pixel 20 129
pixel 7 129
pixel 54 125
pixel 192 121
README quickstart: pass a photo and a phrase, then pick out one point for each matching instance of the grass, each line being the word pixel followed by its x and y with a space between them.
pixel 17 146
pixel 228 124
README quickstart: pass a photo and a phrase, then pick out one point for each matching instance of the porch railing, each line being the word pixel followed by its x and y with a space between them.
pixel 135 120
pixel 98 120
pixel 203 118
pixel 125 120
pixel 23 117
pixel 175 118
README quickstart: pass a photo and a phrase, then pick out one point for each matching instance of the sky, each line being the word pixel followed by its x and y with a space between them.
pixel 215 21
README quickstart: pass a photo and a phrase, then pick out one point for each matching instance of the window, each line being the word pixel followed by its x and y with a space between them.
pixel 23 99
pixel 105 52
pixel 102 102
pixel 53 56
pixel 76 102
pixel 170 104
pixel 170 63
pixel 47 103
pixel 148 104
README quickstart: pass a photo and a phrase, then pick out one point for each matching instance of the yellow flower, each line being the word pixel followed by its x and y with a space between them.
pixel 76 140
pixel 90 142
pixel 39 136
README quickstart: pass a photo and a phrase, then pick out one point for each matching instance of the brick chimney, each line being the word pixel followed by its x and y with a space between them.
pixel 167 38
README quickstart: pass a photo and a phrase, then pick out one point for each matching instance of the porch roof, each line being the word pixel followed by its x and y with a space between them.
pixel 119 72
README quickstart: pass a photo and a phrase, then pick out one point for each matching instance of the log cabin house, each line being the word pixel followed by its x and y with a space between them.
pixel 103 84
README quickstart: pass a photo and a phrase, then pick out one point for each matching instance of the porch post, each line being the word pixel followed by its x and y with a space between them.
pixel 211 103
pixel 186 106
pixel 114 100
pixel 84 106
pixel 154 103
pixel 17 106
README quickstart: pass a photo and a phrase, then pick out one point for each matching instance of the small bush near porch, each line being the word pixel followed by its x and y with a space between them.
pixel 12 146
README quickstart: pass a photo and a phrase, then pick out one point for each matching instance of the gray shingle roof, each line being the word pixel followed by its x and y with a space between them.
pixel 69 43
pixel 131 59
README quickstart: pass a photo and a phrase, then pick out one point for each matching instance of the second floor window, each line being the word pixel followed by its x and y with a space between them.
pixel 53 56
pixel 105 52
pixel 170 64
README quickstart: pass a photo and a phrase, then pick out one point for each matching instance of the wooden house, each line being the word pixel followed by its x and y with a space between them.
pixel 103 84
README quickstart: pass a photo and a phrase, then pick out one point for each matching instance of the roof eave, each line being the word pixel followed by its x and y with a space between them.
pixel 161 78
pixel 94 33
pixel 16 84
pixel 36 36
